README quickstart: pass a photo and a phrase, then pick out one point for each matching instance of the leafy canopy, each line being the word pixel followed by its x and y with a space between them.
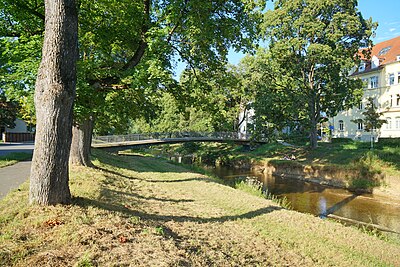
pixel 312 48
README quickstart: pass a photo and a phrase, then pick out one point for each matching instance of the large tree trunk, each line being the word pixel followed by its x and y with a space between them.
pixel 54 95
pixel 313 123
pixel 81 142
pixel 313 135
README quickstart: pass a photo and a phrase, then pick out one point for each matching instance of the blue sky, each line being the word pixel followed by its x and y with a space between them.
pixel 385 12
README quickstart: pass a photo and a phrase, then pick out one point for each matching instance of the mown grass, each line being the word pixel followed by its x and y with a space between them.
pixel 143 211
pixel 13 158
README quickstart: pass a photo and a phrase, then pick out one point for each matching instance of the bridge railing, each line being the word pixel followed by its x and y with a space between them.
pixel 173 135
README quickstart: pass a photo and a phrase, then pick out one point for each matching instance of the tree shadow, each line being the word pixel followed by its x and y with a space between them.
pixel 114 173
pixel 120 194
pixel 86 203
pixel 337 206
pixel 138 163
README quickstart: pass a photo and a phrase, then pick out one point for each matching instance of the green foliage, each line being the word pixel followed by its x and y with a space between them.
pixel 8 112
pixel 372 118
pixel 251 186
pixel 305 72
pixel 127 52
pixel 254 187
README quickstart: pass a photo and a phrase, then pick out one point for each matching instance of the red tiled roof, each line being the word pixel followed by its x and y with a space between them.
pixel 388 57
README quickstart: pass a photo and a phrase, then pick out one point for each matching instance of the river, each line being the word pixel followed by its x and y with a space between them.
pixel 321 200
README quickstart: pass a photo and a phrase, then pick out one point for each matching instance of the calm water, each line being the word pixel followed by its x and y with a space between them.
pixel 321 200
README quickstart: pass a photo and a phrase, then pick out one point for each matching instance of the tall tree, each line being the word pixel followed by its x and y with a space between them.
pixel 276 105
pixel 154 33
pixel 54 96
pixel 120 40
pixel 313 43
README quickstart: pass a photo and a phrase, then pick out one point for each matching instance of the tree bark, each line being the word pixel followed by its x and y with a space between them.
pixel 81 143
pixel 313 122
pixel 54 95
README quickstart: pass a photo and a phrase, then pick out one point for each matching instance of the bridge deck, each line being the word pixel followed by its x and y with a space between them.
pixel 98 144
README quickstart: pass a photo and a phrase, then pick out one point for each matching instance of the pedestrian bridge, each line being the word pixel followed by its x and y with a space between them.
pixel 120 141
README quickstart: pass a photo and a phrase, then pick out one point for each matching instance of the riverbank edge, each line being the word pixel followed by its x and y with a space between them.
pixel 386 185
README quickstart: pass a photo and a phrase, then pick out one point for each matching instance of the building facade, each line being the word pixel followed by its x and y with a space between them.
pixel 381 77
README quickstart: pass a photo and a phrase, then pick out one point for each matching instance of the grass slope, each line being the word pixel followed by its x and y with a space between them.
pixel 141 211
pixel 13 158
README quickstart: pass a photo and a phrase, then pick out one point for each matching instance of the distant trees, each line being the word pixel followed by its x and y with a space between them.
pixel 312 48
pixel 8 112
pixel 205 102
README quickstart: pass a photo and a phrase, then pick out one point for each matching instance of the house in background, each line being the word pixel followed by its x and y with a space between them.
pixel 20 127
pixel 381 77
pixel 20 133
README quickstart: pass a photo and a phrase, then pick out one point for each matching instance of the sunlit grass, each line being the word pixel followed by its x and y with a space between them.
pixel 143 211
pixel 13 158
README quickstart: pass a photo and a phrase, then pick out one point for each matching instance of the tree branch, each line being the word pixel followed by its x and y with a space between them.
pixel 134 61
pixel 32 11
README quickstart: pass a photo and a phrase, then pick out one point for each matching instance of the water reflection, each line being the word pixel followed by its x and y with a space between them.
pixel 323 200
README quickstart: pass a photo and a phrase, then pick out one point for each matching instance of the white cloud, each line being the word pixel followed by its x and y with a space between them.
pixel 392 29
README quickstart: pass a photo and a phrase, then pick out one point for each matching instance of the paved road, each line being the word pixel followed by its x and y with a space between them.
pixel 15 147
pixel 12 176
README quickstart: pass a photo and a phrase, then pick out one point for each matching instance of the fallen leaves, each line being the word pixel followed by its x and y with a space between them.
pixel 53 222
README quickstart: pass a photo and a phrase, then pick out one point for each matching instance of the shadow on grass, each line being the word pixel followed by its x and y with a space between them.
pixel 137 163
pixel 390 157
pixel 120 195
pixel 85 203
pixel 114 173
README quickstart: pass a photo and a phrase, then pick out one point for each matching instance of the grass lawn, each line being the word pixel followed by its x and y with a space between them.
pixel 12 158
pixel 142 211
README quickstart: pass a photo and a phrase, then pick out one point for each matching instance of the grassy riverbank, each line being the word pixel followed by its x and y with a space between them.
pixel 364 168
pixel 142 211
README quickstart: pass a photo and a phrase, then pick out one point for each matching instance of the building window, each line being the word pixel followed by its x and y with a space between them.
pixel 398 77
pixel 397 122
pixel 384 51
pixel 389 123
pixel 391 79
pixel 391 101
pixel 374 82
pixel 360 126
pixel 360 105
pixel 341 125
pixel 397 100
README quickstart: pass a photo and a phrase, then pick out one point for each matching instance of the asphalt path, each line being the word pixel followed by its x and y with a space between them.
pixel 11 177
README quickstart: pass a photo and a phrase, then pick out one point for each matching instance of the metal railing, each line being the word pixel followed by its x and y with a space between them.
pixel 168 136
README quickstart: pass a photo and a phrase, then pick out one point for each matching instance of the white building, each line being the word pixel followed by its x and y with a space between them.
pixel 245 121
pixel 381 76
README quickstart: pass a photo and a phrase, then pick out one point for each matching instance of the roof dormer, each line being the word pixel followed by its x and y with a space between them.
pixel 362 66
pixel 374 62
